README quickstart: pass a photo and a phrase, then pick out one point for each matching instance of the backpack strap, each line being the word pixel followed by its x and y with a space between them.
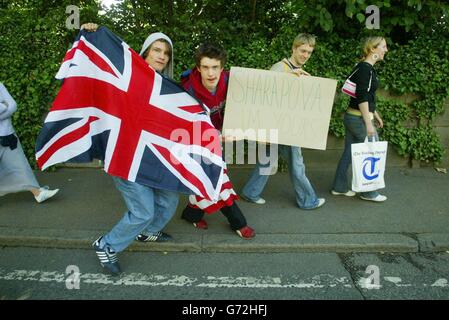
pixel 226 78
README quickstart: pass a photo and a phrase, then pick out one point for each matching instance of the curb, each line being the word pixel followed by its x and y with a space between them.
pixel 433 242
pixel 262 243
pixel 339 243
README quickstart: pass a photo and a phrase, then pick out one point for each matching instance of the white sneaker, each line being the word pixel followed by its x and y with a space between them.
pixel 258 201
pixel 378 198
pixel 348 193
pixel 45 194
pixel 321 201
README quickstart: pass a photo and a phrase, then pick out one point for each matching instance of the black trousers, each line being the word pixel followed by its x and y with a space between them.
pixel 233 213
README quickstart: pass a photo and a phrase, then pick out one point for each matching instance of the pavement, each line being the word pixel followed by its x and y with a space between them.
pixel 415 218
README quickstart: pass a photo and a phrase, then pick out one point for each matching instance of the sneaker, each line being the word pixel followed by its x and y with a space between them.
pixel 155 237
pixel 108 258
pixel 378 198
pixel 45 193
pixel 321 201
pixel 246 232
pixel 348 193
pixel 258 201
pixel 202 224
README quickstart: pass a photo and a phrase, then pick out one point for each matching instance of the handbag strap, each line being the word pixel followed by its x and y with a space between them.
pixel 353 73
pixel 370 77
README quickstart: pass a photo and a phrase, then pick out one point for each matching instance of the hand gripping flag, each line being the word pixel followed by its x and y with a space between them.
pixel 112 106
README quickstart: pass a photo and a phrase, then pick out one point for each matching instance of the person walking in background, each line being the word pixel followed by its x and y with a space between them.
pixel 306 198
pixel 361 115
pixel 15 171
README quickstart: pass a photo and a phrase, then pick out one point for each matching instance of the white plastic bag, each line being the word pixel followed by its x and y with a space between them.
pixel 368 165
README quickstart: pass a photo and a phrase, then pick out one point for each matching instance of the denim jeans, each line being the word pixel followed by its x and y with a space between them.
pixel 142 209
pixel 355 132
pixel 165 207
pixel 305 194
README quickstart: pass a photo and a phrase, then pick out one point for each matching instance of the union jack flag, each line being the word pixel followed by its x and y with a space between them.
pixel 114 107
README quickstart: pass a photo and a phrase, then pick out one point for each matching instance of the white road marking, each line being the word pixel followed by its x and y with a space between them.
pixel 152 280
pixel 397 281
pixel 365 283
pixel 440 283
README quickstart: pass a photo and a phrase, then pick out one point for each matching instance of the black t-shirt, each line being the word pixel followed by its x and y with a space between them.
pixel 366 82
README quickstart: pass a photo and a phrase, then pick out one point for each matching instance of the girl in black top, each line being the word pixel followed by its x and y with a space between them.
pixel 361 114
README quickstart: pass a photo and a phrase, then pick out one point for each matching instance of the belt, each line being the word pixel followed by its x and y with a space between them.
pixel 358 113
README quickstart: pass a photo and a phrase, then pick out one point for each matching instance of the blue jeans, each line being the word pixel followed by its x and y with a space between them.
pixel 305 194
pixel 165 203
pixel 142 209
pixel 355 132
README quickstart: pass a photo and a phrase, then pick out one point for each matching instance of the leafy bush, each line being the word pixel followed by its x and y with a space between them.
pixel 256 34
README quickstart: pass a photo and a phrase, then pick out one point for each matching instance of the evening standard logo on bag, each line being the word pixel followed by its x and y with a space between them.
pixel 369 168
pixel 368 165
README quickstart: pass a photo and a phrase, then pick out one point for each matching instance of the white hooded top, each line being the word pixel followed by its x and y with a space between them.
pixel 168 70
pixel 7 107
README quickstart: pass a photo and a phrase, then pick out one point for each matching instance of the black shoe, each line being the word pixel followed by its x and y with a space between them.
pixel 155 237
pixel 108 258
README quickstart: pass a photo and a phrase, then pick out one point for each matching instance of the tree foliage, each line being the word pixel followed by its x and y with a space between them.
pixel 33 40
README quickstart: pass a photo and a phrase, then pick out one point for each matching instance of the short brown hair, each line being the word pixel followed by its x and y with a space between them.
pixel 304 38
pixel 211 51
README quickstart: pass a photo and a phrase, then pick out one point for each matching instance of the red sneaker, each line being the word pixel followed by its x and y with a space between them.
pixel 202 224
pixel 246 232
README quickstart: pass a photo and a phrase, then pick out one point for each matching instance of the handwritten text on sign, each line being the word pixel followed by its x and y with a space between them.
pixel 298 107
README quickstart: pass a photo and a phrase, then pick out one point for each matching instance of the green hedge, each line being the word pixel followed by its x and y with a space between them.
pixel 419 67
pixel 33 41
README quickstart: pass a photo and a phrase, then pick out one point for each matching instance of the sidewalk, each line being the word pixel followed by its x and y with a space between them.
pixel 415 218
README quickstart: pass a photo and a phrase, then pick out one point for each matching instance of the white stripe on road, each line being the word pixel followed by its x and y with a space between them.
pixel 440 283
pixel 139 279
pixel 153 280
pixel 319 281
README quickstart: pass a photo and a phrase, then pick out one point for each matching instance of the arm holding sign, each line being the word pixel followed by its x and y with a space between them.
pixel 306 198
pixel 300 72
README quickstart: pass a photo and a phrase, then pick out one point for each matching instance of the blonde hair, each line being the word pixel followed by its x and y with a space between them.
pixel 304 38
pixel 370 43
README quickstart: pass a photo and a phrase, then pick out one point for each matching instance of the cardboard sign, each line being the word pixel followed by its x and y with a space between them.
pixel 297 108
